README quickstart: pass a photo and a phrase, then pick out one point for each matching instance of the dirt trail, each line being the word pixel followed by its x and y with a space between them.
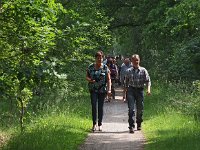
pixel 115 134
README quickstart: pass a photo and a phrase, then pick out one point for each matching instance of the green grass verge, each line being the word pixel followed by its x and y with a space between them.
pixel 172 131
pixel 165 126
pixel 67 125
pixel 55 132
pixel 62 125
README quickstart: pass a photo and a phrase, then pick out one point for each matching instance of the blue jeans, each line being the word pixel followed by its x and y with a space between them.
pixel 97 98
pixel 135 96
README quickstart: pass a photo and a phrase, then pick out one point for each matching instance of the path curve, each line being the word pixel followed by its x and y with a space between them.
pixel 115 134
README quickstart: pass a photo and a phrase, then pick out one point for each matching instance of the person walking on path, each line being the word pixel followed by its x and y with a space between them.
pixel 99 84
pixel 127 64
pixel 113 75
pixel 115 135
pixel 136 78
pixel 119 62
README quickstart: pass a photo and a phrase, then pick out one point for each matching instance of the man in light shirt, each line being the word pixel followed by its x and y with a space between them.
pixel 136 79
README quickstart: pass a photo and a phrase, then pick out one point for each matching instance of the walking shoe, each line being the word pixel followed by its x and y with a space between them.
pixel 124 99
pixel 131 130
pixel 139 126
pixel 100 128
pixel 93 128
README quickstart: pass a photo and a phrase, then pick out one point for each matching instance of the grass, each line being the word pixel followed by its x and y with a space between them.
pixel 172 131
pixel 65 124
pixel 166 127
pixel 55 132
pixel 62 125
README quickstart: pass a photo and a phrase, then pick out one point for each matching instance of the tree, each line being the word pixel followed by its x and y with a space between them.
pixel 28 32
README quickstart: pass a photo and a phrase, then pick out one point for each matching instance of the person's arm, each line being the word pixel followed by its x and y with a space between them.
pixel 148 89
pixel 126 81
pixel 122 74
pixel 108 83
pixel 117 72
pixel 88 78
pixel 148 83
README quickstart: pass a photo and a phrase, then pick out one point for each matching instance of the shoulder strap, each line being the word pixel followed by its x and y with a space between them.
pixel 104 67
pixel 91 66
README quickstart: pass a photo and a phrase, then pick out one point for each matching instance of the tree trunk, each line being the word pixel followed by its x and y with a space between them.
pixel 21 115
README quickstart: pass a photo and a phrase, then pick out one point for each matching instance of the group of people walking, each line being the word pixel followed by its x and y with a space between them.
pixel 102 75
pixel 117 67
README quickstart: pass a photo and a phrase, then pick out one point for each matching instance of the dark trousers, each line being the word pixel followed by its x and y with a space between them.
pixel 135 96
pixel 97 99
pixel 113 88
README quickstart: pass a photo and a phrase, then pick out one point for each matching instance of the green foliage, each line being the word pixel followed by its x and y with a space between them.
pixel 84 27
pixel 176 41
pixel 182 97
pixel 25 95
pixel 58 119
pixel 164 33
pixel 28 31
pixel 43 43
pixel 47 45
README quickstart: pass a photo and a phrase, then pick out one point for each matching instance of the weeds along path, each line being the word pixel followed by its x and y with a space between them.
pixel 115 134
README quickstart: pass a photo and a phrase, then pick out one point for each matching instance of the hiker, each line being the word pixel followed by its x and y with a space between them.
pixel 119 62
pixel 113 74
pixel 126 64
pixel 135 79
pixel 99 84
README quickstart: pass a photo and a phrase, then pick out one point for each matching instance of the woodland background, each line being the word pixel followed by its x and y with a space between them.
pixel 46 45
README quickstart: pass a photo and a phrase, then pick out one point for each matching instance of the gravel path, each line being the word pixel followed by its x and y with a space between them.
pixel 115 134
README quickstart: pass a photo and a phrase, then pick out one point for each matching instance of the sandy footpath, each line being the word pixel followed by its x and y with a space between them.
pixel 115 134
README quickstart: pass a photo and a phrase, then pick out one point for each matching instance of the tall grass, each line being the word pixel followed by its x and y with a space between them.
pixel 53 132
pixel 170 118
pixel 59 118
pixel 61 121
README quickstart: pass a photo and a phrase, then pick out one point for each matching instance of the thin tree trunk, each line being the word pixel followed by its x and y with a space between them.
pixel 21 115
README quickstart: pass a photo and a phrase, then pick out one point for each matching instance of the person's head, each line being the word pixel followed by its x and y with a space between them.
pixel 126 61
pixel 99 57
pixel 109 61
pixel 135 59
pixel 114 61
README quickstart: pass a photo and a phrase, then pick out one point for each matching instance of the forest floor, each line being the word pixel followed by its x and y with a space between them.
pixel 115 134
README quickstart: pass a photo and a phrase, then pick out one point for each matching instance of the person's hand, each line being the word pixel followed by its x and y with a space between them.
pixel 92 81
